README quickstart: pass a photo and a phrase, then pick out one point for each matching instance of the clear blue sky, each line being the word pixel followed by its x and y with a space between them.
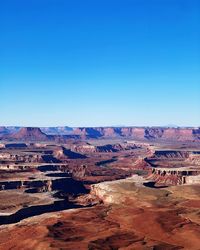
pixel 99 62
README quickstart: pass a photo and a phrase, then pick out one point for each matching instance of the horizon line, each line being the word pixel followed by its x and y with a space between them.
pixel 105 126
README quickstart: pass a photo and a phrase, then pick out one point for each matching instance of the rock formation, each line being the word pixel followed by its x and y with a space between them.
pixel 142 133
pixel 28 134
pixel 62 153
pixel 61 134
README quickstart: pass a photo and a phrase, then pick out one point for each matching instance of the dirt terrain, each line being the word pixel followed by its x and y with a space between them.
pixel 109 193
pixel 131 217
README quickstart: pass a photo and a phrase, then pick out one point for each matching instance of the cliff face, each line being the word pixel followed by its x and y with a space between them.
pixel 148 133
pixel 106 192
pixel 88 132
pixel 167 177
pixel 138 133
pixel 62 153
pixel 181 134
pixel 29 133
pixel 170 154
pixel 3 130
pixel 103 149
pixel 57 130
pixel 116 192
pixel 194 158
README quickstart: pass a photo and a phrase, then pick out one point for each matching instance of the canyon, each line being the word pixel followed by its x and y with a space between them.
pixel 99 188
pixel 64 133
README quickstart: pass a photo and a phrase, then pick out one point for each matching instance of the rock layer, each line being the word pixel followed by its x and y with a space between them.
pixel 138 133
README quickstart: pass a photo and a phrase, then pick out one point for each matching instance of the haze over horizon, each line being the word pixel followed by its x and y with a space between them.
pixel 100 63
pixel 113 126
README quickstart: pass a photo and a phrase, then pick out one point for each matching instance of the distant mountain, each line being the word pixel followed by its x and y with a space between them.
pixel 62 134
pixel 171 126
pixel 57 130
pixel 140 133
pixel 3 130
pixel 8 130
pixel 47 130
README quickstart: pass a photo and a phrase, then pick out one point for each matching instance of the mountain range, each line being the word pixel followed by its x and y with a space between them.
pixel 61 134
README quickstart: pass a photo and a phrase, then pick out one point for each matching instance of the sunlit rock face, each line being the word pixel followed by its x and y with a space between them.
pixel 62 133
pixel 145 133
pixel 62 153
pixel 28 134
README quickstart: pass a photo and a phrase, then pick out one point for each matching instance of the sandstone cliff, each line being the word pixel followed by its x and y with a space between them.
pixel 137 133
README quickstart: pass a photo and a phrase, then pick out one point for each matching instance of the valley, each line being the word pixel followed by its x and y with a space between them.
pixel 98 193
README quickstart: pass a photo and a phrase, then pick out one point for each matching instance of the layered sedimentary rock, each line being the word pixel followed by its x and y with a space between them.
pixel 148 133
pixel 56 155
pixel 170 154
pixel 144 218
pixel 174 167
pixel 194 158
pixel 87 148
pixel 27 158
pixel 174 176
pixel 57 130
pixel 29 133
pixel 109 191
pixel 139 133
pixel 62 153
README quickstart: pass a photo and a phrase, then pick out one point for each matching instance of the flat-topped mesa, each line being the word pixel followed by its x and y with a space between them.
pixel 170 154
pixel 9 159
pixel 137 133
pixel 65 130
pixel 179 133
pixel 192 157
pixel 29 134
pixel 87 148
pixel 174 176
pixel 88 132
pixel 143 133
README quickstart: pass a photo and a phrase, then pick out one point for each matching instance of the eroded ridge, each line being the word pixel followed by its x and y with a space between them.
pixel 99 194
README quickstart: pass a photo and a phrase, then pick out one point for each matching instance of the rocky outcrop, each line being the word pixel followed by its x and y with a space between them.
pixel 2 145
pixel 194 158
pixel 58 155
pixel 28 134
pixel 87 148
pixel 62 153
pixel 61 134
pixel 179 134
pixel 112 192
pixel 5 156
pixel 142 133
pixel 170 154
pixel 193 179
pixel 89 132
pixel 179 176
pixel 38 185
pixel 57 130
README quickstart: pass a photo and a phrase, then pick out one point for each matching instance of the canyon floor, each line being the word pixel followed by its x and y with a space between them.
pixel 131 217
pixel 100 194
